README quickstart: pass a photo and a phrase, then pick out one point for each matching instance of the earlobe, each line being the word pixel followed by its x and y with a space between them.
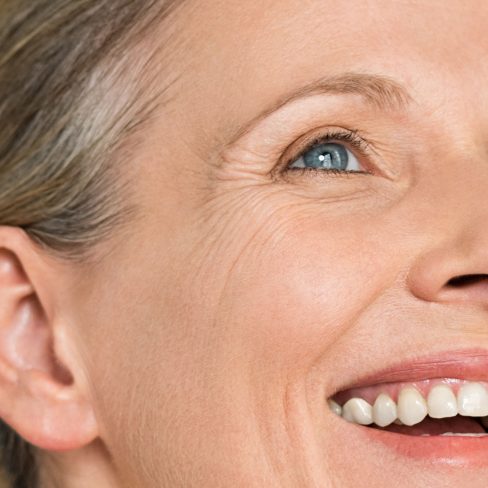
pixel 40 397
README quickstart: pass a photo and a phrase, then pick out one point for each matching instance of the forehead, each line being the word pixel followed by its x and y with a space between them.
pixel 239 57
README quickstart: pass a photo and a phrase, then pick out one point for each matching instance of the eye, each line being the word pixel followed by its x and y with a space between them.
pixel 328 154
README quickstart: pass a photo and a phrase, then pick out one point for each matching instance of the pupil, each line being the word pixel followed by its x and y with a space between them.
pixel 327 156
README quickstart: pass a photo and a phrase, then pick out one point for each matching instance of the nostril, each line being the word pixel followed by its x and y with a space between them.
pixel 467 280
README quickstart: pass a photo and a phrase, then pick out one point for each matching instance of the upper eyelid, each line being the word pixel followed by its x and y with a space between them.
pixel 269 140
pixel 328 135
pixel 280 128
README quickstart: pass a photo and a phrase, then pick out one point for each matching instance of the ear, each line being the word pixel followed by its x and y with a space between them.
pixel 43 394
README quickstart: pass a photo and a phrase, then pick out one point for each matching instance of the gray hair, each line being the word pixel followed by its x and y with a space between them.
pixel 68 99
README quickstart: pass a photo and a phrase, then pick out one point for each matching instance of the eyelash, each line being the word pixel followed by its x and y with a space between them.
pixel 343 136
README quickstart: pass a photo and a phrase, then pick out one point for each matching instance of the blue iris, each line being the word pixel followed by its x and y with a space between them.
pixel 326 156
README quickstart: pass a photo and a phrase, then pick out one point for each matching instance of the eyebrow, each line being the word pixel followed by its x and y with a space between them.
pixel 379 91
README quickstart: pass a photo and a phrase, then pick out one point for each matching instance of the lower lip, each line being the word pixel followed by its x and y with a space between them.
pixel 444 450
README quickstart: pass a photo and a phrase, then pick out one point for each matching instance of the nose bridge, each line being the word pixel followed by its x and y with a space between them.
pixel 453 218
pixel 453 180
pixel 463 205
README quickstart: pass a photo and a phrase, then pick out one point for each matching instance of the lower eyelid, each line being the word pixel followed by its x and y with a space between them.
pixel 312 173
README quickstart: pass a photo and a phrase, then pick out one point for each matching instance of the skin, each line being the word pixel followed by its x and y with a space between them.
pixel 200 349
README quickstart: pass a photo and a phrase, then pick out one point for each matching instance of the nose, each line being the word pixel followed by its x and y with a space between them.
pixel 456 270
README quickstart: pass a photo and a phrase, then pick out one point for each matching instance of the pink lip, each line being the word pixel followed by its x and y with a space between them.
pixel 471 364
pixel 439 450
pixel 450 451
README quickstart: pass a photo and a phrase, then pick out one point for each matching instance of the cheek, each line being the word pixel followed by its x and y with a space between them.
pixel 293 296
pixel 181 344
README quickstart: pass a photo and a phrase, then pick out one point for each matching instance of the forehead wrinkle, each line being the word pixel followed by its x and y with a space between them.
pixel 379 91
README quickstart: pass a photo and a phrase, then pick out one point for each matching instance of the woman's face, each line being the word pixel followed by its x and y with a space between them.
pixel 256 284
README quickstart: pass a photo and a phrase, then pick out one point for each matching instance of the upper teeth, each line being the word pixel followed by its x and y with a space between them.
pixel 411 406
pixel 442 402
pixel 384 410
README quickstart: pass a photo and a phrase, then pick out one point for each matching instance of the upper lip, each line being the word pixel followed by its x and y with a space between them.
pixel 468 364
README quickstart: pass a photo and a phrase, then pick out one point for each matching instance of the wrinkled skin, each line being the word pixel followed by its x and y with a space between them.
pixel 244 295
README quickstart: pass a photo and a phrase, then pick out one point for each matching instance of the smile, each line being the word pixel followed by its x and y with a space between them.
pixel 459 406
pixel 434 408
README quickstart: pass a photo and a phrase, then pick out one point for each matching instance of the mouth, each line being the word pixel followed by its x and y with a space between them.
pixel 433 408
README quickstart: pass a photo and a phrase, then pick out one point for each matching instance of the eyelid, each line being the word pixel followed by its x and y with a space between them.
pixel 272 135
pixel 264 146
